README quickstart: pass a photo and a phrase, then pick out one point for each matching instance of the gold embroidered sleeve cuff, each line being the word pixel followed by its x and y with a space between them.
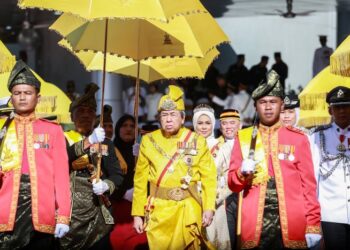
pixel 110 185
pixel 60 219
pixel 79 148
pixel 313 229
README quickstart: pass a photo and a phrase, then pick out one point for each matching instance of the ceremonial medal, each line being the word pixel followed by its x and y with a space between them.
pixel 188 160
pixel 341 147
pixel 281 156
pixel 291 157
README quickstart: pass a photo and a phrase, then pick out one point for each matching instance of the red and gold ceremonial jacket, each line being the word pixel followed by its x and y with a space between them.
pixel 286 151
pixel 48 171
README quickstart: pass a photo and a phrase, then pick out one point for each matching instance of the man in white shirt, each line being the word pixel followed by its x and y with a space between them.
pixel 152 100
pixel 332 169
pixel 321 57
pixel 241 101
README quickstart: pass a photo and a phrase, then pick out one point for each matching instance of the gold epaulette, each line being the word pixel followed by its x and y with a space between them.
pixel 297 130
pixel 47 120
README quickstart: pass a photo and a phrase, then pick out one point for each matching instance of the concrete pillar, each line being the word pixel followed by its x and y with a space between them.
pixel 113 93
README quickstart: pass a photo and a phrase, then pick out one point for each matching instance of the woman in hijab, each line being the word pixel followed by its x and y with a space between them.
pixel 204 124
pixel 123 235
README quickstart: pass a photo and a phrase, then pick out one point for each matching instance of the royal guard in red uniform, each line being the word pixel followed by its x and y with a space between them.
pixel 272 166
pixel 35 192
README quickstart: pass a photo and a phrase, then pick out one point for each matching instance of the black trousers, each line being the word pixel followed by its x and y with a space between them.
pixel 231 213
pixel 336 236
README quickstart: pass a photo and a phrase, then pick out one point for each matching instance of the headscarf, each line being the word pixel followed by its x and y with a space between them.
pixel 204 109
pixel 125 148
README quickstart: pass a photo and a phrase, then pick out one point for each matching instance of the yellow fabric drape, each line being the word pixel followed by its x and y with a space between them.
pixel 261 174
pixel 9 158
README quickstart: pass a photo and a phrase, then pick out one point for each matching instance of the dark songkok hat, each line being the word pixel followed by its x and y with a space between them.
pixel 107 115
pixel 88 99
pixel 339 96
pixel 21 74
pixel 269 87
pixel 229 113
pixel 291 102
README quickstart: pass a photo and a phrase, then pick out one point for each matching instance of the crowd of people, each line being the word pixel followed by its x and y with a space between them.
pixel 263 184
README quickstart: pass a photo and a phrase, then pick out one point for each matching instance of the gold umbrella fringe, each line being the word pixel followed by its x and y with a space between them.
pixel 181 78
pixel 313 101
pixel 313 121
pixel 128 57
pixel 340 64
pixel 186 13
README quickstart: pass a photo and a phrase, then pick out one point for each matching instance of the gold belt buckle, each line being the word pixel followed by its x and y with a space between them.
pixel 176 194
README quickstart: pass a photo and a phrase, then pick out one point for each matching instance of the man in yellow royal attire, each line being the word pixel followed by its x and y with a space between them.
pixel 173 159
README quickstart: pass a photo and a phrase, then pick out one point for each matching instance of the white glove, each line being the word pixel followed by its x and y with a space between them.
pixel 135 149
pixel 61 230
pixel 99 187
pixel 129 194
pixel 312 239
pixel 97 136
pixel 248 166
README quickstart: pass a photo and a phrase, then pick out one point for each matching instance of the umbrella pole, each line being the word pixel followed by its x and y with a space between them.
pixel 98 171
pixel 136 104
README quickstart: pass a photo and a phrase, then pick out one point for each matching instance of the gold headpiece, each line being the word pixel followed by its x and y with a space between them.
pixel 173 100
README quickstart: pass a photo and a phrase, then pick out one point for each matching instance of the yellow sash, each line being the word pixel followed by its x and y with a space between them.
pixel 9 156
pixel 122 162
pixel 261 174
pixel 73 137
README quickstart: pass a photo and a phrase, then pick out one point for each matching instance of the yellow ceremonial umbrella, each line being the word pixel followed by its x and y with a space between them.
pixel 7 60
pixel 340 59
pixel 313 106
pixel 190 35
pixel 138 39
pixel 97 9
pixel 151 69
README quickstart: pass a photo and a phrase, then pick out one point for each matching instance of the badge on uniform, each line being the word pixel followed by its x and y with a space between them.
pixel 286 152
pixel 41 141
pixel 341 147
pixel 94 149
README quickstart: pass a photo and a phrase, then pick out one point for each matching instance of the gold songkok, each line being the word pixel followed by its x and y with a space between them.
pixel 173 100
pixel 229 113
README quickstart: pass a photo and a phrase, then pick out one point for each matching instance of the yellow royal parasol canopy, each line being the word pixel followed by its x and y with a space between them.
pixel 151 69
pixel 96 9
pixel 340 59
pixel 313 106
pixel 140 39
pixel 7 60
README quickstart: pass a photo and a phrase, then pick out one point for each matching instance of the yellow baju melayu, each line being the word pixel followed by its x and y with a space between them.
pixel 174 223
